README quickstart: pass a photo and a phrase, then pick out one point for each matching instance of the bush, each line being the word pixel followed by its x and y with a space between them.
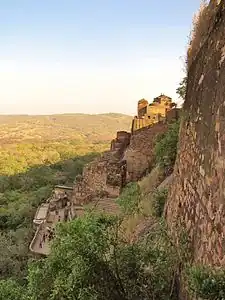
pixel 90 260
pixel 206 283
pixel 158 202
pixel 10 290
pixel 165 149
pixel 130 198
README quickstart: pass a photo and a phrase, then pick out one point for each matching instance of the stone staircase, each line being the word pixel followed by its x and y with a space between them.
pixel 106 205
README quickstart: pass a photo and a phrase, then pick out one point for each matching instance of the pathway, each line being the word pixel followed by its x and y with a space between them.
pixel 40 244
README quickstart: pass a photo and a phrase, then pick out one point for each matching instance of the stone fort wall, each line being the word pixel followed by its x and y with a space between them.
pixel 149 114
pixel 197 196
pixel 129 158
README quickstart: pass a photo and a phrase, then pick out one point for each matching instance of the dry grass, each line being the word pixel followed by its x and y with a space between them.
pixel 151 181
pixel 137 222
pixel 201 24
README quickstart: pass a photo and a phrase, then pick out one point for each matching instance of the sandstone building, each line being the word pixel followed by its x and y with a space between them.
pixel 148 114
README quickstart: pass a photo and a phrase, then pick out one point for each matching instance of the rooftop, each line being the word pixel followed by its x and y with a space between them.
pixel 42 211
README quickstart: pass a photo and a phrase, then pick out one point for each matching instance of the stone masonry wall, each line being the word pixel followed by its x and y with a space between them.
pixel 197 196
pixel 139 154
pixel 103 177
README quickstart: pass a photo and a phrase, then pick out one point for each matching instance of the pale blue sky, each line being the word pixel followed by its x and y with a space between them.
pixel 94 56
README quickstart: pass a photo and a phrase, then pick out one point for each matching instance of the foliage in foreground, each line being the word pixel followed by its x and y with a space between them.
pixel 206 283
pixel 10 290
pixel 89 260
pixel 165 149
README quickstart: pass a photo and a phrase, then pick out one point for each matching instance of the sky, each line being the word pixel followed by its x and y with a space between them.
pixel 90 56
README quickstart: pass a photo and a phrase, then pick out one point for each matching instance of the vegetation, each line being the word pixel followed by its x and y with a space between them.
pixel 182 88
pixel 200 29
pixel 19 198
pixel 130 198
pixel 165 149
pixel 158 202
pixel 90 260
pixel 79 128
pixel 36 153
pixel 206 283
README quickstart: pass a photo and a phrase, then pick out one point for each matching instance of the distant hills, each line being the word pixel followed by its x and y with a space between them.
pixel 80 127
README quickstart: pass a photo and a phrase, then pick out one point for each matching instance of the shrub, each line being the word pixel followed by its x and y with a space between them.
pixel 206 283
pixel 10 290
pixel 90 260
pixel 165 149
pixel 182 88
pixel 158 202
pixel 130 198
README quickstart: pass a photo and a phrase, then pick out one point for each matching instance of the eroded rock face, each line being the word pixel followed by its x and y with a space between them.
pixel 197 196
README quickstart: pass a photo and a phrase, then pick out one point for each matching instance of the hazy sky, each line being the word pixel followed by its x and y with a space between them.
pixel 93 56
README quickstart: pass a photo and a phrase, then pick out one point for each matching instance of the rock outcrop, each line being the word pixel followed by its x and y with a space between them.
pixel 197 196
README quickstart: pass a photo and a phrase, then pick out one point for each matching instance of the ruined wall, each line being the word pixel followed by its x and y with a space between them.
pixel 103 177
pixel 121 141
pixel 139 154
pixel 197 196
pixel 173 114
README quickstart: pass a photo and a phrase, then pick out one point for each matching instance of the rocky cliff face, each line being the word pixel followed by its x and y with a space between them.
pixel 197 196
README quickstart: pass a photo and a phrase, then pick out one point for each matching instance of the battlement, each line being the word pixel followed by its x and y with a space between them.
pixel 148 114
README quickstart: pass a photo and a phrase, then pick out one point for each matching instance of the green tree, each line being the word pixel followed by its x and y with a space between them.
pixel 90 260
pixel 182 88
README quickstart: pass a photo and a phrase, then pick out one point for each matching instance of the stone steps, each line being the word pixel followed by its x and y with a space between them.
pixel 107 205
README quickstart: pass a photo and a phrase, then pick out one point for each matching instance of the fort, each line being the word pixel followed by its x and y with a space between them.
pixel 148 114
pixel 129 158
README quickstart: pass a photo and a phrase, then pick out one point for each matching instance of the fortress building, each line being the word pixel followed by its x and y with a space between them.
pixel 148 114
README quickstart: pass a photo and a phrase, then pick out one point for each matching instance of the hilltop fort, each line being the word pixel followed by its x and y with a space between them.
pixel 151 113
pixel 129 158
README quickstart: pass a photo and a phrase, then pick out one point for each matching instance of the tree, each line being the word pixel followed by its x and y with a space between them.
pixel 181 90
pixel 89 260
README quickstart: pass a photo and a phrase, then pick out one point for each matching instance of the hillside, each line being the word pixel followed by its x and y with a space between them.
pixel 80 127
pixel 36 153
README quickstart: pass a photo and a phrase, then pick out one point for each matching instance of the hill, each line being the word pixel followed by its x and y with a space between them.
pixel 79 127
pixel 36 153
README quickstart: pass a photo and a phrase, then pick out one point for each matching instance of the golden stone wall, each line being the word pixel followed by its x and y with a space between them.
pixel 149 114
